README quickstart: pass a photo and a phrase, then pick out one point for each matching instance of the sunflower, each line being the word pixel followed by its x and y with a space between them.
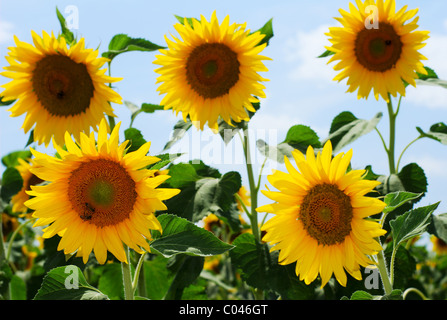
pixel 59 88
pixel 244 197
pixel 29 179
pixel 211 71
pixel 380 55
pixel 439 246
pixel 319 216
pixel 98 196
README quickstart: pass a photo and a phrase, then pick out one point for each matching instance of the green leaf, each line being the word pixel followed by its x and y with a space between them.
pixel 182 20
pixel 298 137
pixel 157 277
pixel 325 54
pixel 260 269
pixel 145 107
pixel 182 236
pixel 431 79
pixel 227 131
pixel 346 128
pixel 362 295
pixel 12 183
pixel 186 269
pixel 394 200
pixel 411 224
pixel 437 132
pixel 108 283
pixel 203 191
pixel 267 30
pixel 165 159
pixel 413 178
pixel 276 153
pixel 135 137
pixel 431 74
pixel 301 137
pixel 11 159
pixel 66 33
pixel 5 103
pixel 67 283
pixel 438 226
pixel 180 129
pixel 122 43
pixel 17 288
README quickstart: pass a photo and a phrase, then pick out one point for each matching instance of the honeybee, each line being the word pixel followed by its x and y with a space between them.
pixel 89 210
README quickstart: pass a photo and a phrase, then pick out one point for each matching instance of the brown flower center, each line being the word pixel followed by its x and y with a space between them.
pixel 212 69
pixel 326 214
pixel 378 49
pixel 102 192
pixel 63 87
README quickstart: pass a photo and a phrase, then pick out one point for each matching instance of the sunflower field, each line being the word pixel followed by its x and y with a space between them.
pixel 90 209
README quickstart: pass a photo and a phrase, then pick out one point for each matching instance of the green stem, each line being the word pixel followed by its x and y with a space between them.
pixel 393 257
pixel 127 278
pixel 111 119
pixel 391 147
pixel 244 207
pixel 406 292
pixel 13 236
pixel 405 149
pixel 136 282
pixel 2 246
pixel 384 273
pixel 253 189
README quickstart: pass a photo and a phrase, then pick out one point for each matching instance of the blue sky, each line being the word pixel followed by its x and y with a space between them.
pixel 300 90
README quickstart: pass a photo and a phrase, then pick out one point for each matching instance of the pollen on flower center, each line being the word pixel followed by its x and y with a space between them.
pixel 378 49
pixel 326 214
pixel 63 86
pixel 102 192
pixel 212 69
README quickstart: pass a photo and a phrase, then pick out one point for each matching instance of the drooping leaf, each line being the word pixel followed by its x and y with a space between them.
pixel 298 137
pixel 411 224
pixel 122 43
pixel 438 226
pixel 179 131
pixel 346 128
pixel 437 132
pixel 67 283
pixel 276 153
pixel 12 182
pixel 181 236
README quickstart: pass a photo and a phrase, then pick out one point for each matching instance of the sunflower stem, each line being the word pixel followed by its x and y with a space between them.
pixel 127 277
pixel 253 187
pixel 388 287
pixel 138 276
pixel 2 246
pixel 392 117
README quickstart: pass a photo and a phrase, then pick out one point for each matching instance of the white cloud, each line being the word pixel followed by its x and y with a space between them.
pixel 304 48
pixel 6 31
